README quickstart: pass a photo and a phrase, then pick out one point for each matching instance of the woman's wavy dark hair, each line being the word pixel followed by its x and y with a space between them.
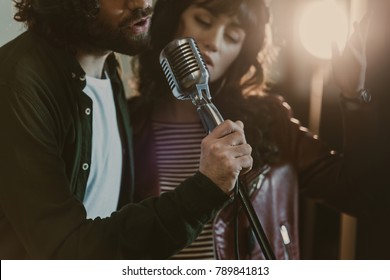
pixel 245 74
pixel 61 21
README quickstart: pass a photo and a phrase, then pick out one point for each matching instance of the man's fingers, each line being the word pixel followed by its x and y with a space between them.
pixel 246 162
pixel 241 150
pixel 240 124
pixel 227 127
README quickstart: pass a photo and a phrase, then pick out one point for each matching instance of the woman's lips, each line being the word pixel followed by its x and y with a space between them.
pixel 208 60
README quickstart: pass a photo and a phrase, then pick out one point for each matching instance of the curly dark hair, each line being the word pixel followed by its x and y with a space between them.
pixel 61 21
pixel 245 74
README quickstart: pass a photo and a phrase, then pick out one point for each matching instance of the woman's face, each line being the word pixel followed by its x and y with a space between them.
pixel 219 38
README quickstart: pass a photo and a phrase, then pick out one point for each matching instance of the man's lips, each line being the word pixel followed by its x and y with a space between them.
pixel 140 25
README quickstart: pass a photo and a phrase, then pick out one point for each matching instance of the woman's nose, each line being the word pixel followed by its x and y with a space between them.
pixel 213 39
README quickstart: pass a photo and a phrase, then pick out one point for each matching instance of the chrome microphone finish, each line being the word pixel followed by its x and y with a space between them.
pixel 184 68
pixel 188 77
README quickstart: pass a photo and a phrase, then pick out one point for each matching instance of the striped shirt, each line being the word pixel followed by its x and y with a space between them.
pixel 178 152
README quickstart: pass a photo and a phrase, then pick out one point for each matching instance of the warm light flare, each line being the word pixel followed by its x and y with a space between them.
pixel 322 23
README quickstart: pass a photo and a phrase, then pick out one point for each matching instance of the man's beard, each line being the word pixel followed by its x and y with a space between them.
pixel 103 37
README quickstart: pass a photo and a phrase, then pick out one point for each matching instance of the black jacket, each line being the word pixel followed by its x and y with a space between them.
pixel 45 152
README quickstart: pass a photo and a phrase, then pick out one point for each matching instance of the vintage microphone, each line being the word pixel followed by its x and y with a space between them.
pixel 188 78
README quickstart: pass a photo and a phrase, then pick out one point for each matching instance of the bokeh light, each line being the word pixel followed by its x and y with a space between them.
pixel 321 23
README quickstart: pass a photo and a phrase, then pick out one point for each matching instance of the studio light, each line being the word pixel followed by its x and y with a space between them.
pixel 321 23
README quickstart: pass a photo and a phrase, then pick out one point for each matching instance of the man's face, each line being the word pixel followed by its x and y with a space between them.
pixel 121 26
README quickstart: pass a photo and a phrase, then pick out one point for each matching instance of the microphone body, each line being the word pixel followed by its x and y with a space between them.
pixel 188 78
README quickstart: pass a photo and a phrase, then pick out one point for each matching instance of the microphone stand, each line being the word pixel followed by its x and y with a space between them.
pixel 258 231
pixel 210 118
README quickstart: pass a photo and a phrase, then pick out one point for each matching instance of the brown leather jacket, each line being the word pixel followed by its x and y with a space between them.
pixel 306 167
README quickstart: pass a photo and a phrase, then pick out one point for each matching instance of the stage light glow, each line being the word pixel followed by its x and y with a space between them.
pixel 321 23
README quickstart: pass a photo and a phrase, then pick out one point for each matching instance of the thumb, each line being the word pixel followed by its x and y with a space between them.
pixel 335 51
pixel 336 56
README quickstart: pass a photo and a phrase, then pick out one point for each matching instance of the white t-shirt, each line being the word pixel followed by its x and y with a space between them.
pixel 103 186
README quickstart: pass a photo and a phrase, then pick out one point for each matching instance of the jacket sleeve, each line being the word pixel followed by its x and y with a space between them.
pixel 42 218
pixel 337 179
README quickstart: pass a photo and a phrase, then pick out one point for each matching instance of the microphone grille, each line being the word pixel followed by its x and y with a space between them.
pixel 183 67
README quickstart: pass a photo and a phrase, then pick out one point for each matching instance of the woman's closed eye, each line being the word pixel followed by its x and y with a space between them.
pixel 233 36
pixel 204 21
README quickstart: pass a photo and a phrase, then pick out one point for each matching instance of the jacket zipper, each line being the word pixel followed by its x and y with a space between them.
pixel 286 242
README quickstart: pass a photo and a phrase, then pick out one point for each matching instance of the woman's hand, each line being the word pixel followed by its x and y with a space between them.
pixel 349 67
